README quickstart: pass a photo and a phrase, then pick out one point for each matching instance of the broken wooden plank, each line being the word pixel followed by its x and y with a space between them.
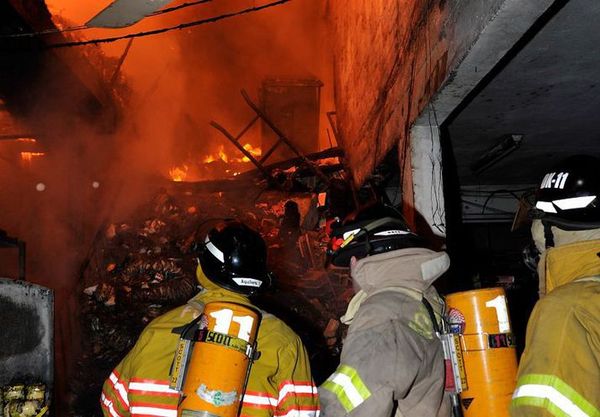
pixel 247 154
pixel 283 137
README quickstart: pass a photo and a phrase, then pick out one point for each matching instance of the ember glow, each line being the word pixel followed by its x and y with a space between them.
pixel 220 155
pixel 28 156
pixel 255 152
pixel 178 174
pixel 223 156
pixel 216 165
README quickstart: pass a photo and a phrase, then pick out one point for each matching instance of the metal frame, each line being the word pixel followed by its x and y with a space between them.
pixel 282 139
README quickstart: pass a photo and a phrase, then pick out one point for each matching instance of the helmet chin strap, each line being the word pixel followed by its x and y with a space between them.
pixel 367 245
pixel 548 235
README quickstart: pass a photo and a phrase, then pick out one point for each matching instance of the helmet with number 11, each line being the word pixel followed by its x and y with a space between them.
pixel 569 195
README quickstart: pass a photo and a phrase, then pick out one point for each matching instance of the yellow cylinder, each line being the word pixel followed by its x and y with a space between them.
pixel 487 343
pixel 216 375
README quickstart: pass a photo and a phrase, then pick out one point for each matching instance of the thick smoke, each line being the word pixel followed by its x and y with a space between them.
pixel 170 87
pixel 179 81
pixel 175 83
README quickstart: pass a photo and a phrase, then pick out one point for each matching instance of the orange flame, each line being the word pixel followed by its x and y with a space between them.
pixel 178 174
pixel 28 156
pixel 194 172
pixel 223 156
pixel 220 155
pixel 254 151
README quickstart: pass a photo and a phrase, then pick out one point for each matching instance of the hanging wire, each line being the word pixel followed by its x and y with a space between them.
pixel 501 191
pixel 437 215
pixel 166 29
pixel 84 27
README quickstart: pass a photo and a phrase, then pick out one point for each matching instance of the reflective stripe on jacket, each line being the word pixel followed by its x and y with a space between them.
pixel 551 395
pixel 280 382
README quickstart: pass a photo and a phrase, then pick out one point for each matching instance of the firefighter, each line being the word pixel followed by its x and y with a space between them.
pixel 231 267
pixel 559 372
pixel 392 360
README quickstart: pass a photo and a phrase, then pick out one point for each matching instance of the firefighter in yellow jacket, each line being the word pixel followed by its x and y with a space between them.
pixel 559 373
pixel 232 266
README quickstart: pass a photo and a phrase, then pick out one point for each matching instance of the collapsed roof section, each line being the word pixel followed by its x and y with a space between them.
pixel 38 82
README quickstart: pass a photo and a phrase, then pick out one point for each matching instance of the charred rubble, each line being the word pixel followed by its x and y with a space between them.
pixel 139 268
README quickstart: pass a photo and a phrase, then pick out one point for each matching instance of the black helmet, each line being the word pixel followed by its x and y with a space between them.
pixel 234 256
pixel 369 231
pixel 569 195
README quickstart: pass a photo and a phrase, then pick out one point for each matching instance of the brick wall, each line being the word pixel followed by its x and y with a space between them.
pixel 390 57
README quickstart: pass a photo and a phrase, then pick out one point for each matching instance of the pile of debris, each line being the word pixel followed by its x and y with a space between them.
pixel 141 268
pixel 137 270
pixel 20 400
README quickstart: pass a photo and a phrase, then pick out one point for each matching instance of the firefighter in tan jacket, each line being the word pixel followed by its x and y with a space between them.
pixel 232 265
pixel 392 361
pixel 559 373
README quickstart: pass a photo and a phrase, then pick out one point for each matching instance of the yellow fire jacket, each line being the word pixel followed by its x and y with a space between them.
pixel 280 382
pixel 559 373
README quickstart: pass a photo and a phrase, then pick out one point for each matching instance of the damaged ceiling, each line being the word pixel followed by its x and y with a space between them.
pixel 547 92
pixel 39 83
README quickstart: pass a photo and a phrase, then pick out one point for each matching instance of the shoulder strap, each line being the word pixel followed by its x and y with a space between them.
pixel 198 305
pixel 429 309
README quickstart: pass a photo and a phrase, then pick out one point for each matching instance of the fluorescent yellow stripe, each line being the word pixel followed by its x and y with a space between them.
pixel 553 394
pixel 348 387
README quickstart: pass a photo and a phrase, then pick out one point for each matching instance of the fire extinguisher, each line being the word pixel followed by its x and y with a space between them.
pixel 213 360
pixel 482 348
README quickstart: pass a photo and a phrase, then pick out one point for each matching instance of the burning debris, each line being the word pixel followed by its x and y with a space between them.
pixel 143 267
pixel 213 166
pixel 140 267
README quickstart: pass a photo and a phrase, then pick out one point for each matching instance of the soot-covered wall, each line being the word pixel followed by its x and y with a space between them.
pixel 390 58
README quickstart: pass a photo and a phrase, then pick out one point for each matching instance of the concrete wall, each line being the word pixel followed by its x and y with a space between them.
pixel 514 21
pixel 27 323
pixel 391 56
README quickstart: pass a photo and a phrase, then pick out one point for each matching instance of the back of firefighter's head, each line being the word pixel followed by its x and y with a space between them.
pixel 369 231
pixel 568 198
pixel 234 257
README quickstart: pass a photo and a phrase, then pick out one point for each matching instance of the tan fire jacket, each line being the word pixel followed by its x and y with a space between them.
pixel 392 361
pixel 559 373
